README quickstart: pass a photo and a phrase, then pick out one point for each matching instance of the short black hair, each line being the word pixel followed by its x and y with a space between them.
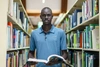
pixel 46 8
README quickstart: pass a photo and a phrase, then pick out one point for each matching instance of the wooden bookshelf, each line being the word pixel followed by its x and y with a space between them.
pixel 88 47
pixel 18 33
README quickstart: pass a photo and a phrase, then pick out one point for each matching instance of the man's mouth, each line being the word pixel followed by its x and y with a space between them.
pixel 46 20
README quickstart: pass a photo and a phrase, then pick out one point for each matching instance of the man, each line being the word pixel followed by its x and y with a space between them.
pixel 47 40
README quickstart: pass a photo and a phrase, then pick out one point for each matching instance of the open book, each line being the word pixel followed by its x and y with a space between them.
pixel 51 57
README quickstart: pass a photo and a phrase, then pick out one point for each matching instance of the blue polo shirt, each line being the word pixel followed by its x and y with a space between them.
pixel 47 43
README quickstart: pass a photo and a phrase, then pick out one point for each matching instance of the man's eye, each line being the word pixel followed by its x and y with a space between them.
pixel 49 15
pixel 46 15
pixel 43 15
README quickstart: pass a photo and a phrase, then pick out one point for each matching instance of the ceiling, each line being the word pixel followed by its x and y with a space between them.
pixel 33 8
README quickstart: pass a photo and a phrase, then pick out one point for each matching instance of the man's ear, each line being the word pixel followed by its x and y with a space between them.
pixel 52 16
pixel 40 16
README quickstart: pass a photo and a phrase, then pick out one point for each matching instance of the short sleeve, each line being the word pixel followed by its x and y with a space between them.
pixel 63 41
pixel 32 42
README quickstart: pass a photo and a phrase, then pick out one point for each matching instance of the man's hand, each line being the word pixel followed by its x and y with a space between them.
pixel 53 61
pixel 31 63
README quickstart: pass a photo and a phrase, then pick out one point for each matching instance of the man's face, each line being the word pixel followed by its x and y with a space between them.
pixel 46 16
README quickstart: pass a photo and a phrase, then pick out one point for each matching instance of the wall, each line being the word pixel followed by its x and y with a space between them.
pixel 3 33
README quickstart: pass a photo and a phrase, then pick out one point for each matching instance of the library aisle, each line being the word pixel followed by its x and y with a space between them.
pixel 78 18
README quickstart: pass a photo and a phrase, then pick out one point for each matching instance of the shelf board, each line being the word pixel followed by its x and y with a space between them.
pixel 91 50
pixel 16 49
pixel 75 48
pixel 16 24
pixel 84 23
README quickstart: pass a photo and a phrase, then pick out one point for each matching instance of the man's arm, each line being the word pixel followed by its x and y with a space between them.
pixel 64 45
pixel 31 54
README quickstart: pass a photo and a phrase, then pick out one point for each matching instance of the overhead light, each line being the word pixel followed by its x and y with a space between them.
pixel 43 1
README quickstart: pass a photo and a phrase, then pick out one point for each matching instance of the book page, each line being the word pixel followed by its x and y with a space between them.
pixel 37 60
pixel 54 56
pixel 60 58
pixel 48 59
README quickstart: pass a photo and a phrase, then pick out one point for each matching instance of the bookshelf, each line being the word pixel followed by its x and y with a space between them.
pixel 16 33
pixel 83 39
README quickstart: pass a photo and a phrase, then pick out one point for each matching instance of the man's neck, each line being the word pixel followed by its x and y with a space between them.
pixel 46 28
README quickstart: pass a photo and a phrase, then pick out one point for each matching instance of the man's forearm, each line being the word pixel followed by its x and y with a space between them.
pixel 31 54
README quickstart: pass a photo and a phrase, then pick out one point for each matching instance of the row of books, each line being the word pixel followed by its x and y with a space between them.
pixel 89 9
pixel 16 38
pixel 14 10
pixel 75 58
pixel 87 59
pixel 16 59
pixel 90 59
pixel 87 38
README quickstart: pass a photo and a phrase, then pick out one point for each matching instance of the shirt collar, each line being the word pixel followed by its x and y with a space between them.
pixel 51 30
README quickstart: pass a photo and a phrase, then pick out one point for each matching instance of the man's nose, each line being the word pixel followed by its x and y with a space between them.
pixel 46 16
